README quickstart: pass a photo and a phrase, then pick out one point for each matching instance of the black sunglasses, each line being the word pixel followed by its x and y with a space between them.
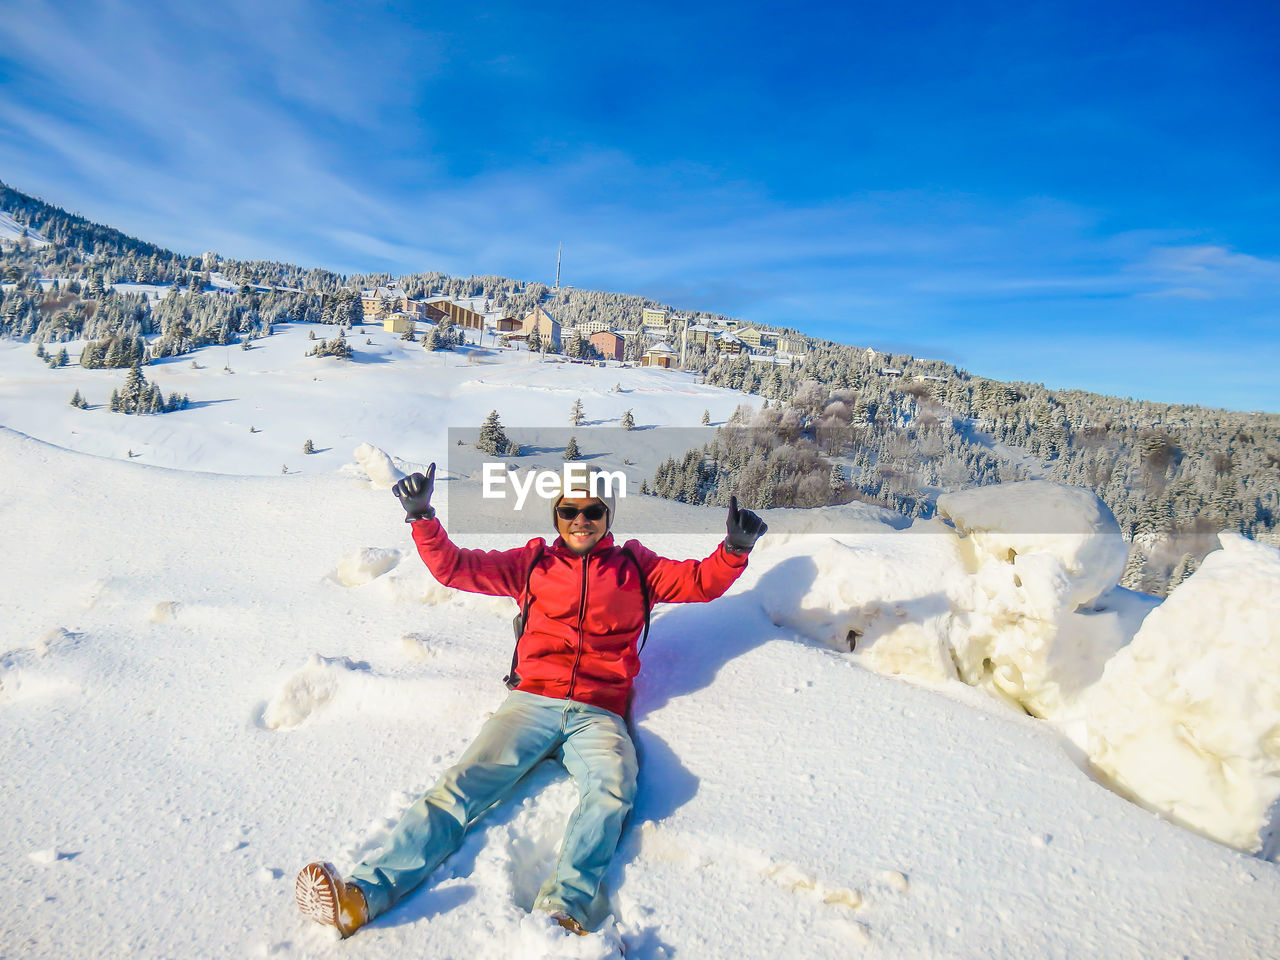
pixel 594 512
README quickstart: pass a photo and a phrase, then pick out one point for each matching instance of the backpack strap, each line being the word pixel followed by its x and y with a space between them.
pixel 518 622
pixel 644 595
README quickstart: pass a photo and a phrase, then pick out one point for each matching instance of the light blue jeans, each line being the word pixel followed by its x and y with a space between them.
pixel 594 746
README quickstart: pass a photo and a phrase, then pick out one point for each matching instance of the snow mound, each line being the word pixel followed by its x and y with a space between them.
pixel 1047 521
pixel 378 467
pixel 1014 603
pixel 164 612
pixel 859 596
pixel 1186 719
pixel 307 691
pixel 45 858
pixel 365 565
pixel 1039 557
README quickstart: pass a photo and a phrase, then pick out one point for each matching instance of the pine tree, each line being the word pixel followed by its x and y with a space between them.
pixel 575 415
pixel 446 336
pixel 493 439
pixel 628 421
pixel 132 397
pixel 837 481
pixel 78 401
pixel 706 418
pixel 571 451
pixel 308 447
pixel 1185 567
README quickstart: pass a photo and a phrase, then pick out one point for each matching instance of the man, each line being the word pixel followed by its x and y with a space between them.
pixel 583 602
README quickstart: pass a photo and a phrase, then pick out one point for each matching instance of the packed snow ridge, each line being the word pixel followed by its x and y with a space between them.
pixel 1179 711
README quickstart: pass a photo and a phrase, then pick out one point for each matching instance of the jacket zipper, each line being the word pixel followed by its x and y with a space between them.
pixel 582 613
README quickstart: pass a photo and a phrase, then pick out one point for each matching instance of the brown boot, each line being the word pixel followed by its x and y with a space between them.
pixel 570 924
pixel 324 898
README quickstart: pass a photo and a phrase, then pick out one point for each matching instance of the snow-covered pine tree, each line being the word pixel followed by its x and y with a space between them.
pixel 575 414
pixel 571 451
pixel 308 447
pixel 493 438
pixel 837 481
pixel 447 337
pixel 78 401
pixel 706 418
pixel 628 421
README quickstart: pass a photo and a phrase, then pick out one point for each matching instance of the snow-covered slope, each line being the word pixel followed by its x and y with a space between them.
pixel 11 231
pixel 211 673
pixel 394 395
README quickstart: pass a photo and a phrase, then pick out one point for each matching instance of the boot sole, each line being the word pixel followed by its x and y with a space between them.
pixel 316 891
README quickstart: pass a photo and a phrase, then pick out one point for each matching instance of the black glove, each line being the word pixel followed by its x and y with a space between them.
pixel 745 528
pixel 414 494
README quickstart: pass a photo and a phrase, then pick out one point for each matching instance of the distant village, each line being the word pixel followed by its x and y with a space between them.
pixel 659 339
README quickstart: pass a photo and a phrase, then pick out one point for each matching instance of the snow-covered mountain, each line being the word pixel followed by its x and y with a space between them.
pixel 213 671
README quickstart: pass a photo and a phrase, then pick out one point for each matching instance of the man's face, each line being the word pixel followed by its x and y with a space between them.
pixel 580 533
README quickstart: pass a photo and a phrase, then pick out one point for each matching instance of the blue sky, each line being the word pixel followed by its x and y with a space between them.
pixel 1083 194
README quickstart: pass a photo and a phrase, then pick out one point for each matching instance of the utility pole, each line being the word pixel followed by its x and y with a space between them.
pixel 559 250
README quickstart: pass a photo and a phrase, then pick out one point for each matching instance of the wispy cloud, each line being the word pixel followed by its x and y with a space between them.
pixel 1209 272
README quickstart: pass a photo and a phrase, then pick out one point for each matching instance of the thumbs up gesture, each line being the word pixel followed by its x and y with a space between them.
pixel 745 528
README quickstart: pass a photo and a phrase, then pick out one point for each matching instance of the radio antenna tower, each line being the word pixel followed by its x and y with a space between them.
pixel 559 250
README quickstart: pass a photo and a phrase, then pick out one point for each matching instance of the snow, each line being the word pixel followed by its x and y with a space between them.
pixel 1017 594
pixel 212 672
pixel 1186 719
pixel 12 231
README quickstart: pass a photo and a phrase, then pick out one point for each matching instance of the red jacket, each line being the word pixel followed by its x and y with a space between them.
pixel 586 613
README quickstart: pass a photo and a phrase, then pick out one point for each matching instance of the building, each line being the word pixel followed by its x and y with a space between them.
pixel 792 344
pixel 659 355
pixel 756 339
pixel 460 315
pixel 538 319
pixel 507 325
pixel 655 317
pixel 700 335
pixel 383 301
pixel 399 322
pixel 610 344
pixel 594 326
pixel 728 342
